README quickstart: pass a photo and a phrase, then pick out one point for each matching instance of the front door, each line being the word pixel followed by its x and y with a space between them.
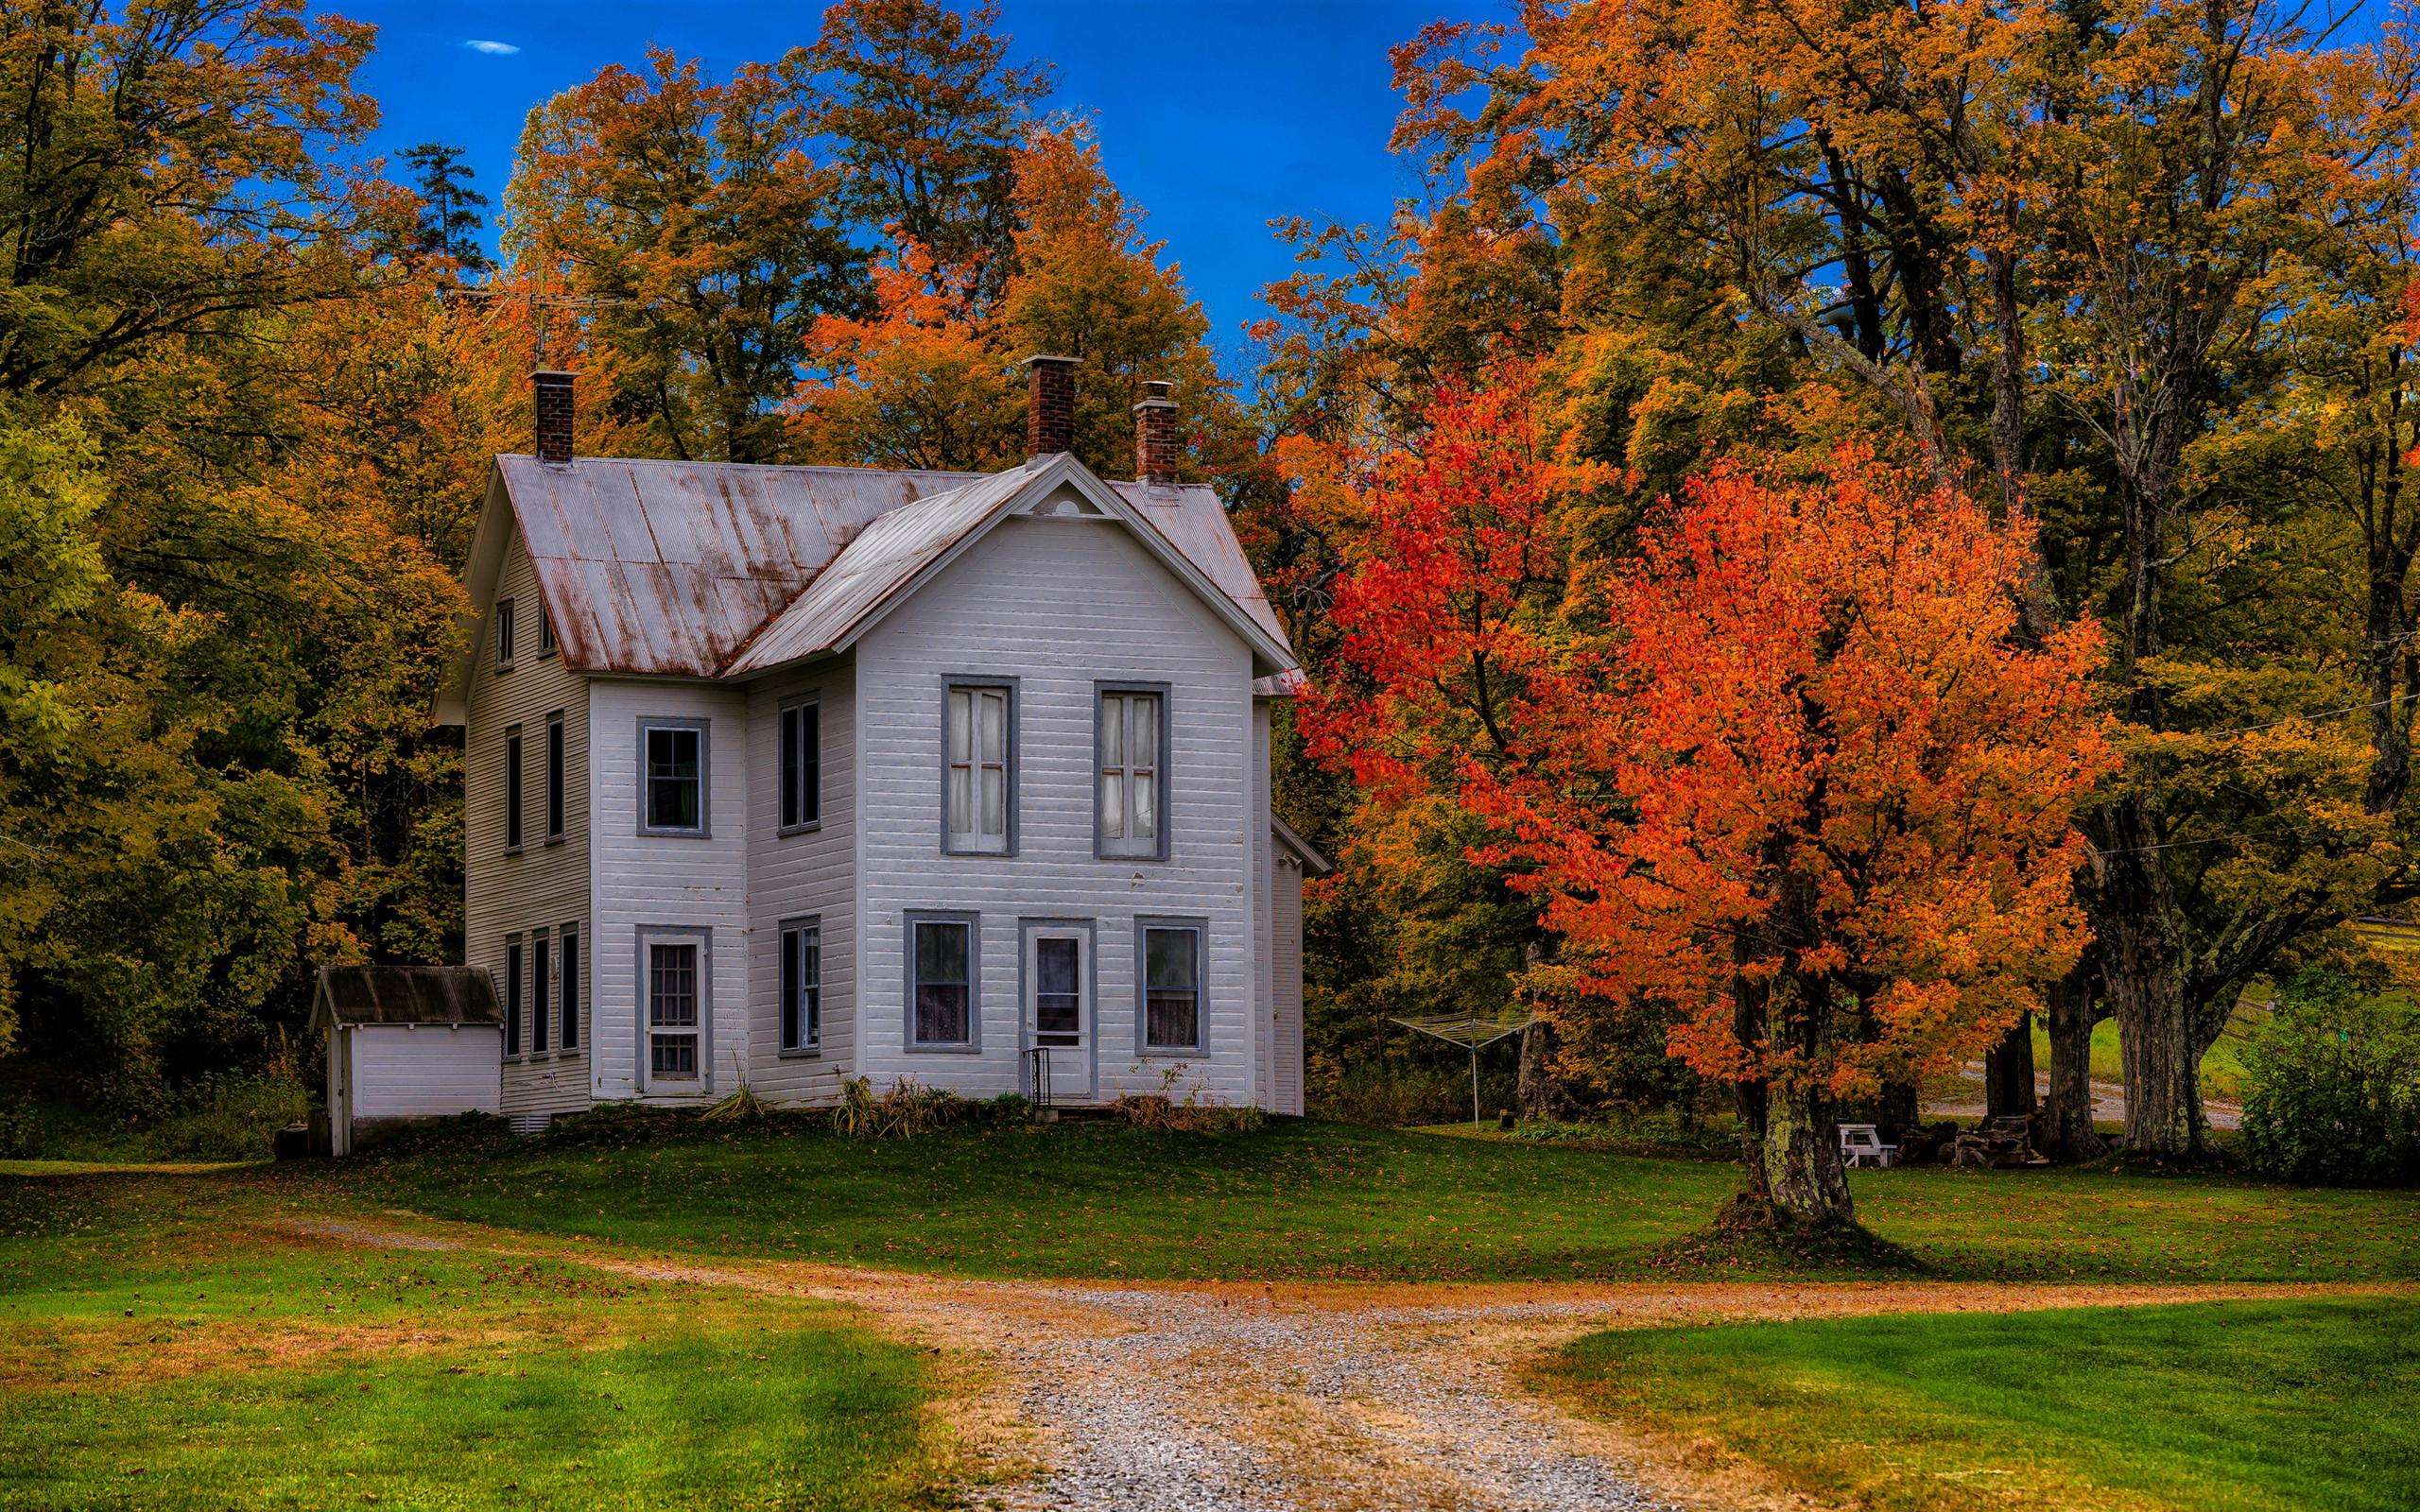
pixel 1058 1012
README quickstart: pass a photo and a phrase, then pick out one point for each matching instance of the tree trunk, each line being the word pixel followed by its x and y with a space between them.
pixel 1535 1092
pixel 1802 1171
pixel 2064 1131
pixel 2008 1072
pixel 2135 918
pixel 1897 1112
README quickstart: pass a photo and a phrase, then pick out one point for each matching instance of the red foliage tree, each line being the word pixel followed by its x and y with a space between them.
pixel 1788 771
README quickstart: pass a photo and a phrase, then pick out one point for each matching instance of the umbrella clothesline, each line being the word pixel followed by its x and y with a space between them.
pixel 1472 1031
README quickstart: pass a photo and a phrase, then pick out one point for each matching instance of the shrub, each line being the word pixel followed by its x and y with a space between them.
pixel 20 1127
pixel 1196 1112
pixel 902 1112
pixel 233 1116
pixel 1392 1096
pixel 2333 1086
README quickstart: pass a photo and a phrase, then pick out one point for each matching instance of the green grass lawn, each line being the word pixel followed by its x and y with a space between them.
pixel 2290 1406
pixel 163 1343
pixel 2221 1068
pixel 1309 1200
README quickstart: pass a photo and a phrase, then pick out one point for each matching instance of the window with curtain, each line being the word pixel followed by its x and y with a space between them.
pixel 979 784
pixel 1172 987
pixel 942 985
pixel 1130 766
pixel 802 981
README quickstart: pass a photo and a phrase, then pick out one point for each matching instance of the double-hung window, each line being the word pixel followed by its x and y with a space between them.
pixel 546 633
pixel 1128 820
pixel 512 775
pixel 672 757
pixel 555 776
pixel 980 786
pixel 801 980
pixel 540 989
pixel 673 995
pixel 513 988
pixel 1168 953
pixel 941 982
pixel 504 635
pixel 569 966
pixel 802 765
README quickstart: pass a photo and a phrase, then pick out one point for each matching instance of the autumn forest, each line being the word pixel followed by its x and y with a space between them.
pixel 1826 541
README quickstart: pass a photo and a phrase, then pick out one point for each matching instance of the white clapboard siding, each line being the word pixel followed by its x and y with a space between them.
pixel 1287 962
pixel 1057 604
pixel 807 874
pixel 543 885
pixel 1264 1057
pixel 423 1071
pixel 641 882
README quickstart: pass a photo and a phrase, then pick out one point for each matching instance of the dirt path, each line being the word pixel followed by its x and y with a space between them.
pixel 1255 1397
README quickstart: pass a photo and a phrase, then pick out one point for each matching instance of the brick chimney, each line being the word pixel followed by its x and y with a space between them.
pixel 553 392
pixel 1156 444
pixel 1050 406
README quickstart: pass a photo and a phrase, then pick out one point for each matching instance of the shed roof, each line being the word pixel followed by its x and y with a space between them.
pixel 686 569
pixel 403 995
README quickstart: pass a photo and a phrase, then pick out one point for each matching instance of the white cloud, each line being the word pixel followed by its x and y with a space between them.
pixel 493 49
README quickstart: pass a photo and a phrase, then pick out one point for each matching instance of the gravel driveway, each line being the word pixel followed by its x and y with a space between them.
pixel 1233 1396
pixel 1225 1403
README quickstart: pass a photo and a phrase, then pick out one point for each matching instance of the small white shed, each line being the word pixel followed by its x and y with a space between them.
pixel 407 1043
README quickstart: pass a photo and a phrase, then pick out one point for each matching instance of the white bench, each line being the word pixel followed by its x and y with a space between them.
pixel 1862 1144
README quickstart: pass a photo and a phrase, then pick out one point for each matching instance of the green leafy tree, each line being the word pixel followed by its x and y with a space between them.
pixel 453 211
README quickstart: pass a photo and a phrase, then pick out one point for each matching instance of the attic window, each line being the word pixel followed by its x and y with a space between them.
pixel 504 635
pixel 1067 506
pixel 546 633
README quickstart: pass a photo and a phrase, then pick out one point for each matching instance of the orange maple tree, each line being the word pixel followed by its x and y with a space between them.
pixel 1790 771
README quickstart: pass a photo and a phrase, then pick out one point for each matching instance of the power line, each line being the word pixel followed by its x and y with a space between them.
pixel 2274 724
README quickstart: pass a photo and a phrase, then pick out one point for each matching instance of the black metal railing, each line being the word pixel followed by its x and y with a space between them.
pixel 1037 1076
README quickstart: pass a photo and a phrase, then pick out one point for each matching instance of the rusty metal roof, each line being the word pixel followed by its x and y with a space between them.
pixel 403 995
pixel 686 569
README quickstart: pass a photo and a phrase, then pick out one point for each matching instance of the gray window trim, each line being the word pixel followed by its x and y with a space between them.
pixel 1101 690
pixel 702 936
pixel 546 642
pixel 571 992
pixel 506 631
pixel 554 762
pixel 1201 988
pixel 974 922
pixel 705 830
pixel 781 933
pixel 781 713
pixel 1014 689
pixel 516 778
pixel 541 995
pixel 516 1000
pixel 1027 929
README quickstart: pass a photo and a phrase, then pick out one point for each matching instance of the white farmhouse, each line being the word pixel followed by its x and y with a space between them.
pixel 786 775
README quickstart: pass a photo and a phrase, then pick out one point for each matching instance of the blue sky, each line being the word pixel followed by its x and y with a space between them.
pixel 1215 115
